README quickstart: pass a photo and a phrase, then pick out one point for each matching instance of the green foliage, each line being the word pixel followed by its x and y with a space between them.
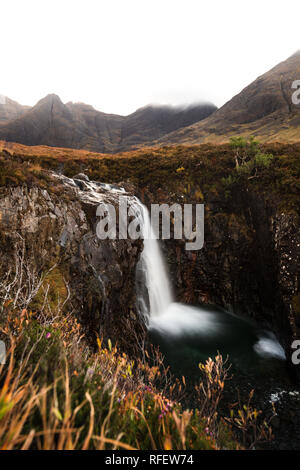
pixel 245 147
pixel 263 160
pixel 229 180
pixel 103 393
pixel 56 393
pixel 47 350
pixel 245 150
pixel 250 163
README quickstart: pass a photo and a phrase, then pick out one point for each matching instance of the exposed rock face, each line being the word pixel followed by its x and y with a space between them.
pixel 60 229
pixel 10 110
pixel 286 237
pixel 249 263
pixel 264 108
pixel 79 126
pixel 152 122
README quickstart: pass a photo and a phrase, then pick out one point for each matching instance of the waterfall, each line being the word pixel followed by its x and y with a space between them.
pixel 154 290
pixel 201 331
pixel 174 320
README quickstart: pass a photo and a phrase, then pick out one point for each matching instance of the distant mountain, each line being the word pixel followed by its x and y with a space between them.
pixel 264 109
pixel 151 122
pixel 79 126
pixel 10 109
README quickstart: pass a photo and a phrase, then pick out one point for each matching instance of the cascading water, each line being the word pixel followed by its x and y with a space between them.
pixel 198 331
pixel 152 270
pixel 188 334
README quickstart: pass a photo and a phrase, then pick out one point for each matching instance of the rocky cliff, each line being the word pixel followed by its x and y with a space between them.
pixel 249 263
pixel 250 260
pixel 57 232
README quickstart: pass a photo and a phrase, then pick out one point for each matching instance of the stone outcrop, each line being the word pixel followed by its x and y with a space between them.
pixel 58 226
pixel 249 263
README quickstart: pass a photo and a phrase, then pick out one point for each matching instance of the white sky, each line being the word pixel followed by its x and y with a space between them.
pixel 119 55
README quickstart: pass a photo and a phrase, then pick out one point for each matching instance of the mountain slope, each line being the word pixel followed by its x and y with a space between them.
pixel 10 109
pixel 152 122
pixel 264 108
pixel 52 123
pixel 79 126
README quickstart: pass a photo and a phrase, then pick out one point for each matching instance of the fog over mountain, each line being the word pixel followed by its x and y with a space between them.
pixel 78 125
pixel 264 108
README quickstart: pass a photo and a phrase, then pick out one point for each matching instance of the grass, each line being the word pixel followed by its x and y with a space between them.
pixel 99 398
pixel 192 171
pixel 102 404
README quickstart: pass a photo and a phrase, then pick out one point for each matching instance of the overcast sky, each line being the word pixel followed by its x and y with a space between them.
pixel 119 55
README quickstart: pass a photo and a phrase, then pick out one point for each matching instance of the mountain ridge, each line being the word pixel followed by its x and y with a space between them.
pixel 264 109
pixel 78 125
pixel 10 109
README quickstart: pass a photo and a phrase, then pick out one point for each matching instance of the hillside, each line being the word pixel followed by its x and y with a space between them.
pixel 10 110
pixel 264 109
pixel 79 126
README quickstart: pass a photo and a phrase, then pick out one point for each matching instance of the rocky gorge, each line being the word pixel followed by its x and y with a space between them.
pixel 249 264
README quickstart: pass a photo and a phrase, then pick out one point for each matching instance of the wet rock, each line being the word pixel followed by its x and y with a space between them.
pixel 249 263
pixel 60 228
pixel 81 176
